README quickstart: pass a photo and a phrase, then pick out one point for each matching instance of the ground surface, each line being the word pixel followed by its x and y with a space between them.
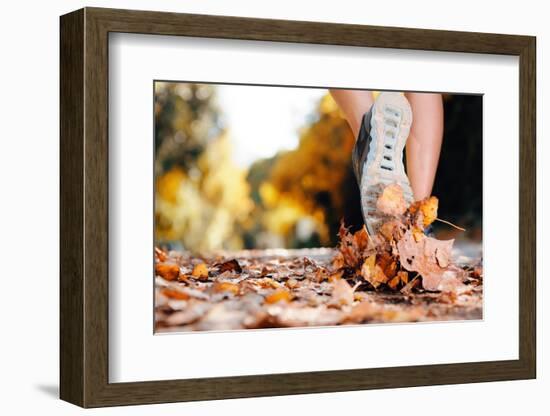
pixel 294 288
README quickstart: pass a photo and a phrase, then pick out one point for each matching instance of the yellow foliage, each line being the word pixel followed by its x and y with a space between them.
pixel 312 175
pixel 168 184
pixel 203 212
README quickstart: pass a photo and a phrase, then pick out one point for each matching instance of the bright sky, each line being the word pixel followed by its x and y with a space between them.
pixel 263 120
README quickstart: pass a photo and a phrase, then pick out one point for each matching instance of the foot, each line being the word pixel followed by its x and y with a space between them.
pixel 378 153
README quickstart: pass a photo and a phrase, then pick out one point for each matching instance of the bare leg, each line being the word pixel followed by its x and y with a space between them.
pixel 424 142
pixel 354 104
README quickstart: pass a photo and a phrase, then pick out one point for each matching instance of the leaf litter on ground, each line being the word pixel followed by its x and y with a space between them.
pixel 398 275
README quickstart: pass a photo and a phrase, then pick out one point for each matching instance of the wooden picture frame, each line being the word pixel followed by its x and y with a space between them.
pixel 84 207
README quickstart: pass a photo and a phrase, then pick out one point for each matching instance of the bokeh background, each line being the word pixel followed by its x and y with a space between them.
pixel 242 167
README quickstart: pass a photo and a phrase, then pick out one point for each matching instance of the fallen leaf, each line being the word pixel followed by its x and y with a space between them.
pixel 392 201
pixel 342 293
pixel 394 282
pixel 200 272
pixel 280 295
pixel 428 207
pixel 368 266
pixel 361 239
pixel 388 264
pixel 424 211
pixel 338 261
pixel 160 255
pixel 229 266
pixel 390 230
pixel 226 287
pixel 422 257
pixel 403 276
pixel 168 271
pixel 175 294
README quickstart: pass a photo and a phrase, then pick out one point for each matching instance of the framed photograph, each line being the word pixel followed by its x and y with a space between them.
pixel 254 207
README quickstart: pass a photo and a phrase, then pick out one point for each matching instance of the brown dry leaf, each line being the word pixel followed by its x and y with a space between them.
pixel 388 264
pixel 320 275
pixel 229 266
pixel 443 257
pixel 361 238
pixel 352 246
pixel 392 201
pixel 372 272
pixel 368 266
pixel 394 282
pixel 200 272
pixel 378 277
pixel 390 230
pixel 403 276
pixel 477 273
pixel 160 255
pixel 422 257
pixel 280 295
pixel 226 287
pixel 168 271
pixel 342 293
pixel 338 261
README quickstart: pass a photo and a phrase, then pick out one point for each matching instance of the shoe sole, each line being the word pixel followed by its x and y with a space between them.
pixel 390 126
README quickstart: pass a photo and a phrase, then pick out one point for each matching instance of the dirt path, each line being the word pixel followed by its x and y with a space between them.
pixel 292 288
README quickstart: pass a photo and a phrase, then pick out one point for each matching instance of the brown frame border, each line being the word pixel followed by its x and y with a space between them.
pixel 84 207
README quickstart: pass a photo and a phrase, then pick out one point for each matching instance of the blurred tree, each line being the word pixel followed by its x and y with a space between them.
pixel 306 188
pixel 201 196
pixel 186 120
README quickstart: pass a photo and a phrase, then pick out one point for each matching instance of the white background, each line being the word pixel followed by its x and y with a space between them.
pixel 132 348
pixel 29 210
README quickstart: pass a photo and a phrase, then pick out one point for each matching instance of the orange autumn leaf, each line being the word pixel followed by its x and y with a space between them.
pixel 175 294
pixel 200 272
pixel 428 207
pixel 378 276
pixel 361 238
pixel 372 272
pixel 168 271
pixel 280 295
pixel 388 264
pixel 387 230
pixel 226 287
pixel 368 266
pixel 394 282
pixel 403 276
